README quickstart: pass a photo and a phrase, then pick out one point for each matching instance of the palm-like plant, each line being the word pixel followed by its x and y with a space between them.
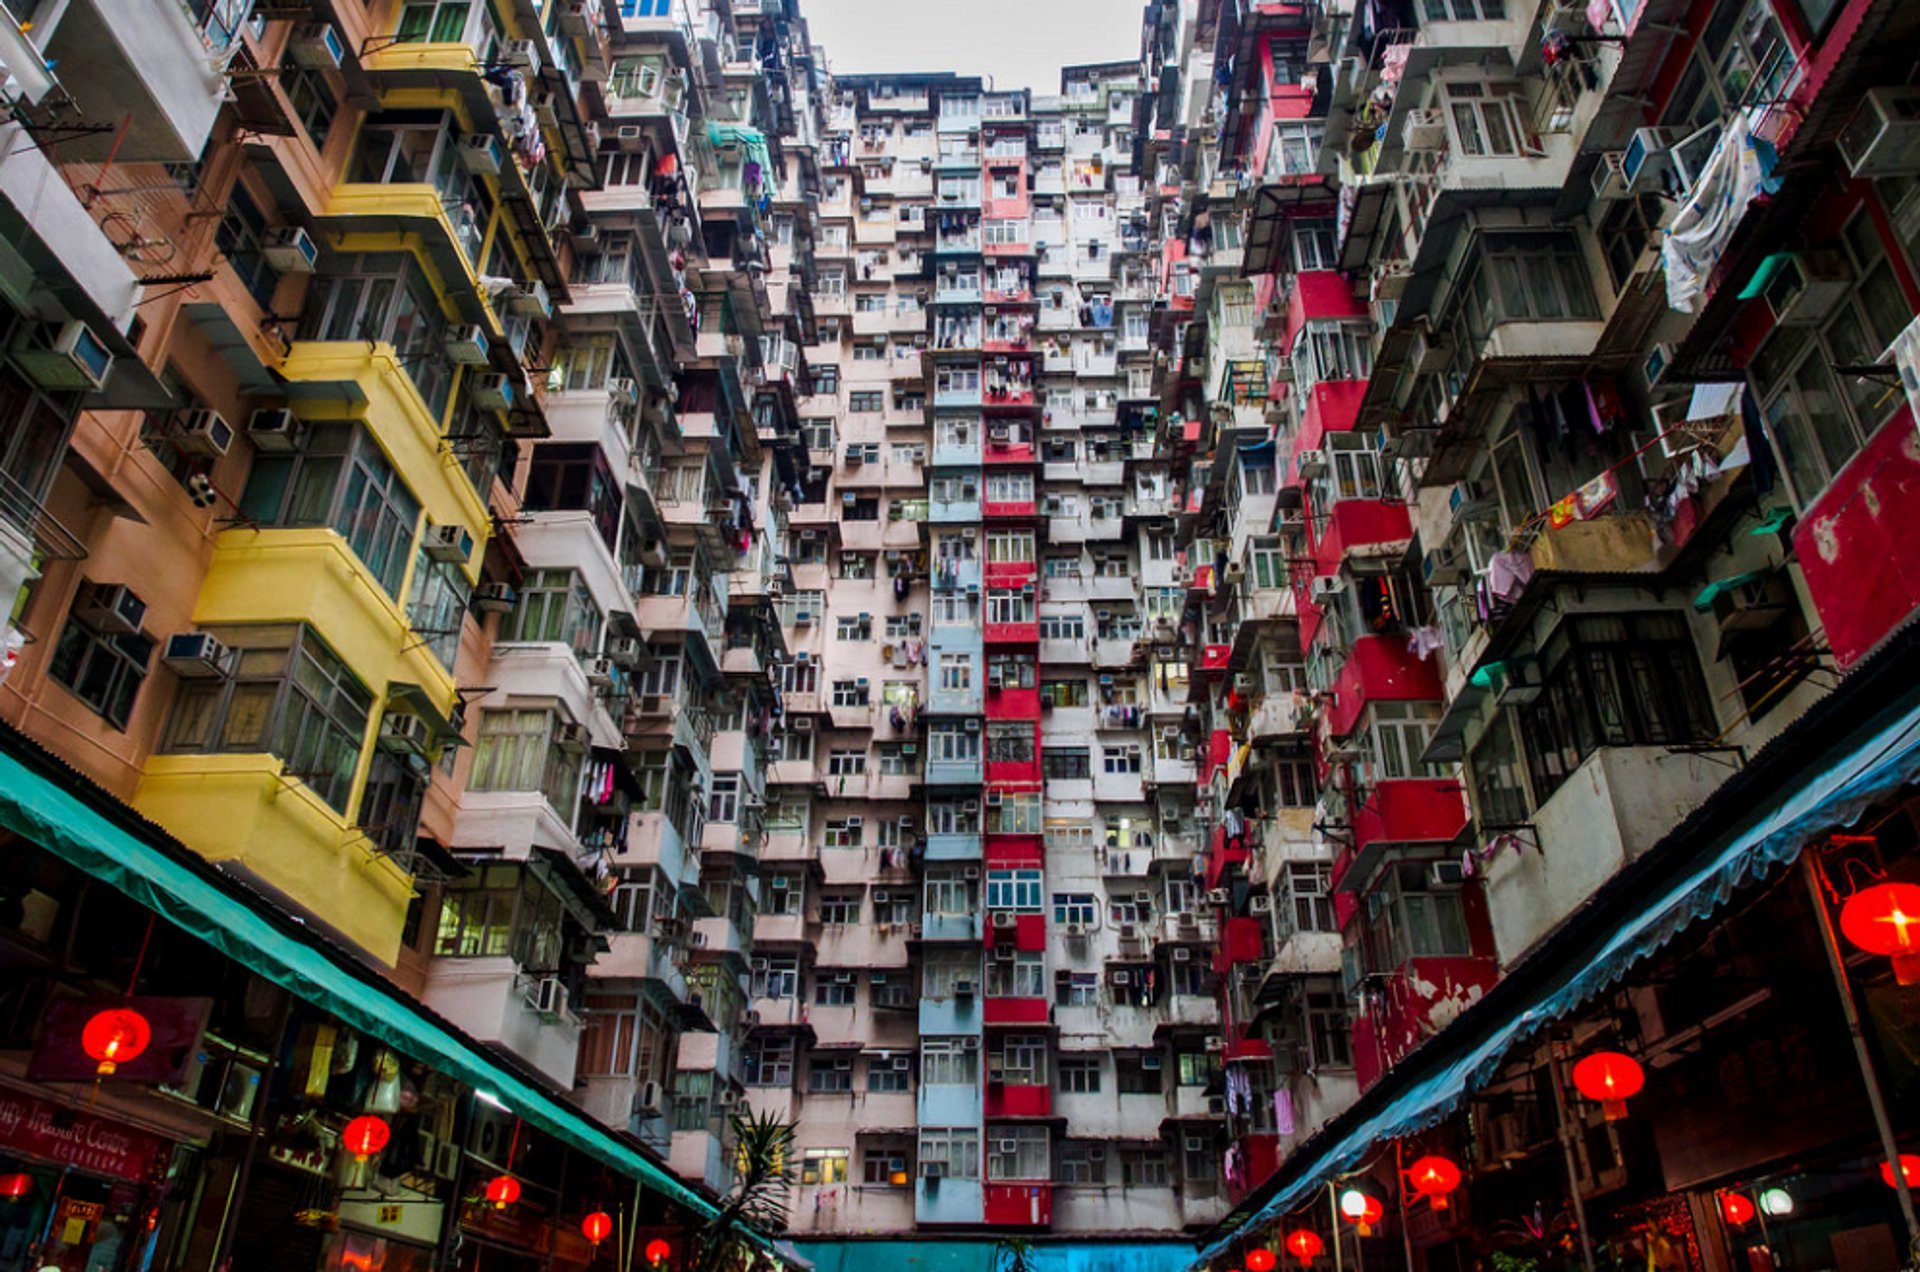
pixel 1013 1254
pixel 762 1187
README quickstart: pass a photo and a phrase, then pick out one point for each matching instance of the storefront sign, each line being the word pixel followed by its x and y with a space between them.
pixel 67 1137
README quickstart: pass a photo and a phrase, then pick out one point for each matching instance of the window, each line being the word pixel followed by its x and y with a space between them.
pixel 824 1166
pixel 846 763
pixel 433 21
pixel 438 608
pixel 853 627
pixel 1526 278
pixel 1309 897
pixel 1008 606
pixel 1025 976
pixel 1143 1168
pixel 1065 693
pixel 340 479
pixel 1409 918
pixel 840 909
pixel 516 753
pixel 850 693
pixel 1065 764
pixel 312 101
pixel 1022 1061
pixel 1740 41
pixel 104 670
pixel 1329 1032
pixel 1120 759
pixel 723 804
pixel 1490 119
pixel 950 1152
pixel 956 672
pixel 288 695
pixel 1075 907
pixel 776 976
pixel 242 237
pixel 1627 680
pixel 1198 1068
pixel 866 402
pixel 769 1061
pixel 1138 1072
pixel 1076 989
pixel 843 833
pixel 1063 626
pixel 1018 1152
pixel 1079 1075
pixel 889 1073
pixel 555 606
pixel 387 297
pixel 1016 814
pixel 949 742
pixel 503 910
pixel 1199 1159
pixel 1014 890
pixel 1010 742
pixel 1081 1162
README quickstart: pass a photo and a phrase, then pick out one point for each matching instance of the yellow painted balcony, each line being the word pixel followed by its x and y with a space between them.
pixel 240 810
pixel 393 216
pixel 347 379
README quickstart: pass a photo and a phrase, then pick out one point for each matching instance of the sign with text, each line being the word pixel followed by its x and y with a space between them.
pixel 36 1128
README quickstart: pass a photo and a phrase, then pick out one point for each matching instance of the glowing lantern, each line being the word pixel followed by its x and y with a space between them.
pixel 16 1186
pixel 1778 1201
pixel 1909 1168
pixel 1610 1078
pixel 1304 1244
pixel 1433 1178
pixel 365 1136
pixel 1885 919
pixel 657 1252
pixel 115 1036
pixel 1260 1259
pixel 1735 1209
pixel 503 1191
pixel 1361 1210
pixel 596 1226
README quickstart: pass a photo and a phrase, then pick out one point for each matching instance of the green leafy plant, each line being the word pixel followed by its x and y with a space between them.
pixel 762 1190
pixel 1013 1254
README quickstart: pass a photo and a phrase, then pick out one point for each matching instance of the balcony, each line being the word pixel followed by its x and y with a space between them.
pixel 151 71
pixel 492 999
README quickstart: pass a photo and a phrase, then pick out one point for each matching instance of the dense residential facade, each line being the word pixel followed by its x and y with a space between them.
pixel 1119 654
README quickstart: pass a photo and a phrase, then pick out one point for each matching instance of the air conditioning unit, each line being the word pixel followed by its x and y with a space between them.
pixel 1182 954
pixel 1121 976
pixel 275 431
pixel 466 346
pixel 202 431
pixel 1429 354
pixel 548 997
pixel 1608 179
pixel 1644 162
pixel 600 672
pixel 1219 896
pixel 1883 137
pixel 521 55
pixel 648 1100
pixel 291 250
pixel 1805 287
pixel 1260 905
pixel 625 650
pixel 1324 588
pixel 493 598
pixel 110 607
pixel 451 543
pixel 493 392
pixel 197 656
pixel 317 46
pixel 1005 919
pixel 569 736
pixel 1659 358
pixel 1446 874
pixel 622 390
pixel 1426 130
pixel 1311 463
pixel 963 989
pixel 530 300
pixel 65 357
pixel 402 731
pixel 1442 568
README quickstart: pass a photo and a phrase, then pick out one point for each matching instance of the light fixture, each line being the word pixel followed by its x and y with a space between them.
pixel 1776 1202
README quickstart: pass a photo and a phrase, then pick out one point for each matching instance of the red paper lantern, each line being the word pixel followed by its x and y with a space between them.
pixel 1735 1208
pixel 1612 1079
pixel 658 1252
pixel 1909 1167
pixel 115 1036
pixel 596 1226
pixel 1885 919
pixel 15 1186
pixel 503 1191
pixel 1433 1178
pixel 1260 1259
pixel 1304 1244
pixel 366 1135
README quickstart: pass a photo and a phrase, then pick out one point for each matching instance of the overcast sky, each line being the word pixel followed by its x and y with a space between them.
pixel 1020 43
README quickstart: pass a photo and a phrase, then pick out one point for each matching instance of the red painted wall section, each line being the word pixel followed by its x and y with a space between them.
pixel 1379 669
pixel 1240 939
pixel 1361 523
pixel 1009 573
pixel 1260 1154
pixel 1016 1011
pixel 1411 1008
pixel 1859 544
pixel 1320 294
pixel 1010 852
pixel 1018 1101
pixel 1333 406
pixel 1013 704
pixel 1019 1205
pixel 1411 810
pixel 1030 932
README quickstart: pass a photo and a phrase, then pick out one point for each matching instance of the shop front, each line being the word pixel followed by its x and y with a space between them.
pixel 78 1191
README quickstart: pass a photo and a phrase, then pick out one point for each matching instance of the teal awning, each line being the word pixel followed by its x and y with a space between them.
pixel 1764 274
pixel 52 808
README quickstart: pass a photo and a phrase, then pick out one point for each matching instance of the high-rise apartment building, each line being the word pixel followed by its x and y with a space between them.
pixel 1119 654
